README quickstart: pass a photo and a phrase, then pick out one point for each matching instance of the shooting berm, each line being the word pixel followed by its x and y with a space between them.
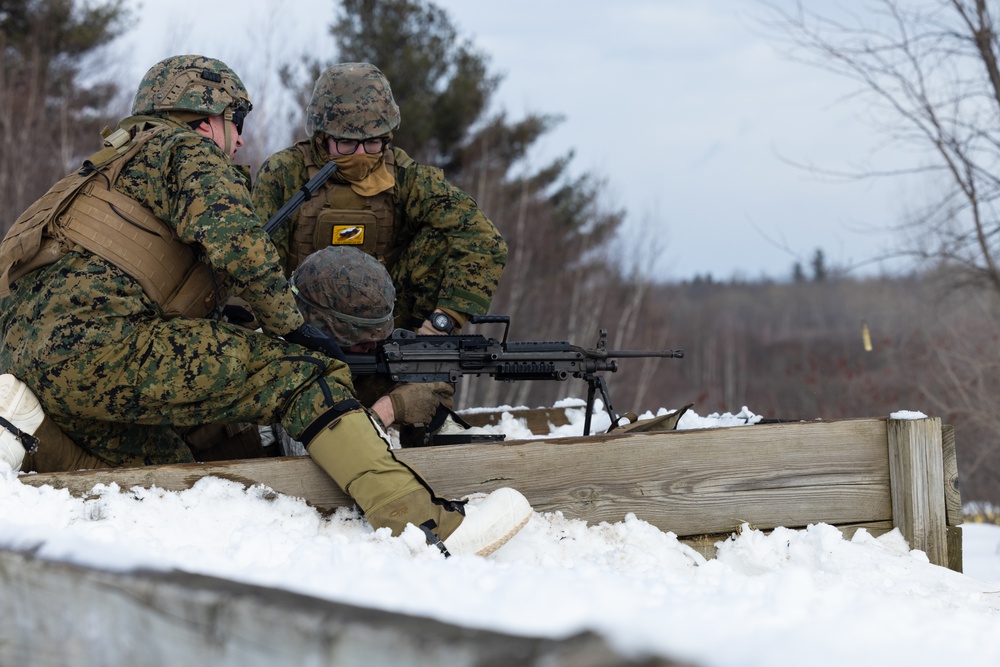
pixel 876 474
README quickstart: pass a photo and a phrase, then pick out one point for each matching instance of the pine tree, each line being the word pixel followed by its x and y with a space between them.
pixel 49 116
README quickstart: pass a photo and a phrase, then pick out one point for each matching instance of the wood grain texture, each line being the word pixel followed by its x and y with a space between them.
pixel 691 482
pixel 952 493
pixel 707 545
pixel 537 420
pixel 916 465
pixel 955 556
pixel 58 614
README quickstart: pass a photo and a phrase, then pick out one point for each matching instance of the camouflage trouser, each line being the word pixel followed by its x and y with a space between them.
pixel 121 402
pixel 417 277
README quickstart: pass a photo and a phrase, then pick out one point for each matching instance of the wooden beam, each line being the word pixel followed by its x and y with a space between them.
pixel 916 473
pixel 64 614
pixel 952 493
pixel 952 498
pixel 692 482
pixel 706 544
pixel 537 420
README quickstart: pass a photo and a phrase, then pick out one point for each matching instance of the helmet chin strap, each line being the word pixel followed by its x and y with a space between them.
pixel 227 123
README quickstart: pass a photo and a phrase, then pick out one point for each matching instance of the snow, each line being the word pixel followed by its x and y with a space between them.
pixel 792 597
pixel 908 414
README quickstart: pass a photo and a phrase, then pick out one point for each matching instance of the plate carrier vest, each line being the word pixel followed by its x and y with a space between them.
pixel 343 217
pixel 84 209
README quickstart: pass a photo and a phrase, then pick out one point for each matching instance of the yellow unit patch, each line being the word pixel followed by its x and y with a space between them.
pixel 348 235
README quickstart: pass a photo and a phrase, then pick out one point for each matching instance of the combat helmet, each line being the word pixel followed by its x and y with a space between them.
pixel 346 293
pixel 192 84
pixel 352 101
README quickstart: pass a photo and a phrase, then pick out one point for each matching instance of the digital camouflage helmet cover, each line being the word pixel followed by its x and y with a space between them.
pixel 346 293
pixel 193 84
pixel 352 101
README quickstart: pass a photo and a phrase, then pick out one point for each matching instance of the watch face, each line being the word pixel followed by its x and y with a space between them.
pixel 442 322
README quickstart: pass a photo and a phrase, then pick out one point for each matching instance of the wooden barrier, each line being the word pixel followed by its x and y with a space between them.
pixel 702 485
pixel 57 614
pixel 538 420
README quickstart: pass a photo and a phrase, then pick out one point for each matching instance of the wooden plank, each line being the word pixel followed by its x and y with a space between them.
pixel 706 544
pixel 692 482
pixel 952 493
pixel 952 498
pixel 955 548
pixel 917 481
pixel 58 614
pixel 537 420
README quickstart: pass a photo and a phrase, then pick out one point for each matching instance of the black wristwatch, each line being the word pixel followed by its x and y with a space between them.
pixel 442 322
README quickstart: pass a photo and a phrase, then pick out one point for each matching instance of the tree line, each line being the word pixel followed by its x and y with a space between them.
pixel 789 350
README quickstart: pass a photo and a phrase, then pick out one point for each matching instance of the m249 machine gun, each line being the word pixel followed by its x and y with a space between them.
pixel 409 357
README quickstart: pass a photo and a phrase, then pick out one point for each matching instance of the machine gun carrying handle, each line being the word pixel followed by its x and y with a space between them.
pixel 490 319
pixel 493 319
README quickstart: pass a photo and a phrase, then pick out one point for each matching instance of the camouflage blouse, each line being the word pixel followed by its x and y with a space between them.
pixel 83 302
pixel 476 252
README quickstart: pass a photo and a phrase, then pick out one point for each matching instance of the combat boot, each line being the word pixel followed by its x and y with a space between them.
pixel 392 494
pixel 489 524
pixel 57 452
pixel 20 416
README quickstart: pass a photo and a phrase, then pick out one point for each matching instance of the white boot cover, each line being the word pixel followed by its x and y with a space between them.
pixel 20 407
pixel 490 524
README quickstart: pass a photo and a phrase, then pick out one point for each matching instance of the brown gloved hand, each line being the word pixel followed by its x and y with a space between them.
pixel 416 403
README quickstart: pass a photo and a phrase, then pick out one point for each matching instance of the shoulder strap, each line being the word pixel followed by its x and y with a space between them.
pixel 401 159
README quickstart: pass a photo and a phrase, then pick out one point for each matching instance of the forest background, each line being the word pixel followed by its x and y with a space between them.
pixel 816 341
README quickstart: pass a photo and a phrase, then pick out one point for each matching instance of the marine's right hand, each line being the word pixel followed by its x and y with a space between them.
pixel 417 403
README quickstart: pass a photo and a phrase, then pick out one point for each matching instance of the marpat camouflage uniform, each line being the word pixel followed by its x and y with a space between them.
pixel 439 247
pixel 118 376
pixel 453 255
pixel 115 375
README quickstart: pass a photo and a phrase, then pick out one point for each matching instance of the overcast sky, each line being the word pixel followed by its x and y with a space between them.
pixel 719 111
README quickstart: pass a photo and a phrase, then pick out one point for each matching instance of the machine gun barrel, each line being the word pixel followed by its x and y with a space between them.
pixel 626 354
